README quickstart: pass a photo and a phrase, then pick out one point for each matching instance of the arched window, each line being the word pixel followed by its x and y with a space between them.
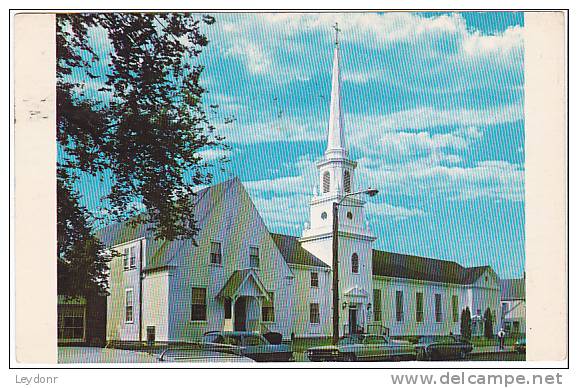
pixel 347 181
pixel 326 181
pixel 355 263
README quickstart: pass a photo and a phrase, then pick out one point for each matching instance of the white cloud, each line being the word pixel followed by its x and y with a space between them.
pixel 417 143
pixel 429 117
pixel 442 43
pixel 498 180
pixel 397 212
pixel 253 55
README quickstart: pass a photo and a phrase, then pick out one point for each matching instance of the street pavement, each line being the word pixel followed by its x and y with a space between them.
pixel 77 355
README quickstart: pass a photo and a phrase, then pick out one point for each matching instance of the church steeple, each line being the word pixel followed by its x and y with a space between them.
pixel 336 136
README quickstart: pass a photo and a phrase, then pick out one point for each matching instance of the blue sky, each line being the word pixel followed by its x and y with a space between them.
pixel 433 114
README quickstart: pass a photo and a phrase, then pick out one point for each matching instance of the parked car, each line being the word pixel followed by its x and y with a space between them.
pixel 187 354
pixel 442 348
pixel 247 344
pixel 520 346
pixel 363 347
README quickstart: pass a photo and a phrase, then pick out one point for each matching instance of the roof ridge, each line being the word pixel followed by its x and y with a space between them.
pixel 423 257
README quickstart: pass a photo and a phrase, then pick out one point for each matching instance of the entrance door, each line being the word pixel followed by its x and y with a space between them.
pixel 240 314
pixel 353 320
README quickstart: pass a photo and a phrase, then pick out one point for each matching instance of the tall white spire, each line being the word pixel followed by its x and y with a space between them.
pixel 336 137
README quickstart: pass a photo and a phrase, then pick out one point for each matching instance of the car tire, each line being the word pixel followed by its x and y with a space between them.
pixel 422 355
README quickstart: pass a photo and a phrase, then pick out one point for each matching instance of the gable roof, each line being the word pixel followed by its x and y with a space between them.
pixel 237 279
pixel 513 289
pixel 160 253
pixel 294 253
pixel 422 268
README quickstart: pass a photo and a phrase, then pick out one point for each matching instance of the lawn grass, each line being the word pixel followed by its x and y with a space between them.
pixel 482 341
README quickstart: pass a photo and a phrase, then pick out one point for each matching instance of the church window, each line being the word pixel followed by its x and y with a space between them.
pixel 399 306
pixel 216 257
pixel 314 279
pixel 355 263
pixel 254 257
pixel 128 306
pixel 455 308
pixel 314 313
pixel 377 305
pixel 199 304
pixel 324 215
pixel 419 307
pixel 438 307
pixel 347 181
pixel 268 309
pixel 350 215
pixel 326 181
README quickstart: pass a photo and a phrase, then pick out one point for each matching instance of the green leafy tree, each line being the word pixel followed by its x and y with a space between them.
pixel 143 125
pixel 466 324
pixel 488 324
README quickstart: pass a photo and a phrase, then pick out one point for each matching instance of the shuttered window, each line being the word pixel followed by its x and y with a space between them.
pixel 377 305
pixel 399 306
pixel 438 307
pixel 455 308
pixel 419 307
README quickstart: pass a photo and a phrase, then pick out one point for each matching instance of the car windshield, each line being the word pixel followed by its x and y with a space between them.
pixel 254 340
pixel 427 340
pixel 230 340
pixel 212 338
pixel 350 340
pixel 374 340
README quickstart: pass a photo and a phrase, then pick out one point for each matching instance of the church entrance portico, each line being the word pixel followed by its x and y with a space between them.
pixel 356 304
pixel 243 295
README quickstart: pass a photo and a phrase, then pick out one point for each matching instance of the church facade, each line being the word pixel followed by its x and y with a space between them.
pixel 238 275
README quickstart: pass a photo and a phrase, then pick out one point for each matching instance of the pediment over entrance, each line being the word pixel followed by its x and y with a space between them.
pixel 244 282
pixel 356 292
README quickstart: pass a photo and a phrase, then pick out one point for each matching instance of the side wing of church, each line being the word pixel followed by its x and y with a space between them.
pixel 238 275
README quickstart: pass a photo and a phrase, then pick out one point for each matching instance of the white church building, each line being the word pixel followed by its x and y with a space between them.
pixel 241 276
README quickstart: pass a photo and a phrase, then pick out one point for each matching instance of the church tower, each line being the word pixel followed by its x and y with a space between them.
pixel 336 174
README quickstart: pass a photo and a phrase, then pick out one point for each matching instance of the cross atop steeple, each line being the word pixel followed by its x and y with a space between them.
pixel 336 136
pixel 337 31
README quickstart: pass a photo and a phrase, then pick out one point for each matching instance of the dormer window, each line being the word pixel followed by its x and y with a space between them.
pixel 326 182
pixel 347 181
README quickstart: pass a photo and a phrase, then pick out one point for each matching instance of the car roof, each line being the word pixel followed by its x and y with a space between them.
pixel 233 333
